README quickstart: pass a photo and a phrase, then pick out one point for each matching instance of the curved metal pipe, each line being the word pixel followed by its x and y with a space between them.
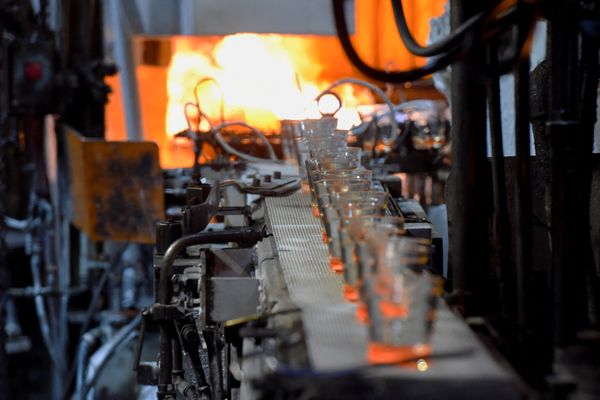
pixel 247 236
pixel 242 236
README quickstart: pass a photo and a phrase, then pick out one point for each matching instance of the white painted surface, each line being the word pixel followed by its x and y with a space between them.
pixel 507 94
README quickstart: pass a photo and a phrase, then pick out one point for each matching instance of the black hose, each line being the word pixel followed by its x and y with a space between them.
pixel 450 42
pixel 495 28
pixel 378 74
pixel 525 25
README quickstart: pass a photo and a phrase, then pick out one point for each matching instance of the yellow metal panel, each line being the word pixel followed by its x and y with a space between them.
pixel 116 188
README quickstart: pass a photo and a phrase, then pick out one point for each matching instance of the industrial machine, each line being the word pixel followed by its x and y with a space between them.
pixel 187 264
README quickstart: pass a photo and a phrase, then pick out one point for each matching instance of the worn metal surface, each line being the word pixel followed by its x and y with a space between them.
pixel 335 341
pixel 116 188
pixel 233 297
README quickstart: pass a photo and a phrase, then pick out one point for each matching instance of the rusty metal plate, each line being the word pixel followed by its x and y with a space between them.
pixel 116 188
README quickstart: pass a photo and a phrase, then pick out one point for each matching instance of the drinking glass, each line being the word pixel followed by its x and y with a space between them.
pixel 290 130
pixel 336 155
pixel 355 234
pixel 401 302
pixel 335 227
pixel 318 174
pixel 318 127
pixel 309 129
pixel 325 188
pixel 373 197
pixel 332 159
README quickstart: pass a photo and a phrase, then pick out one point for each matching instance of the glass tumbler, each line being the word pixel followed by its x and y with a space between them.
pixel 337 237
pixel 325 188
pixel 402 302
pixel 336 156
pixel 356 232
pixel 319 174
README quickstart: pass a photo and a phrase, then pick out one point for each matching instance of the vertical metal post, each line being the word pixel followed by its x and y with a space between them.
pixel 467 194
pixel 500 217
pixel 570 205
pixel 523 225
pixel 124 55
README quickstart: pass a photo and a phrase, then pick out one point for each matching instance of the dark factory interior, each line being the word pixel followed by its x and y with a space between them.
pixel 312 200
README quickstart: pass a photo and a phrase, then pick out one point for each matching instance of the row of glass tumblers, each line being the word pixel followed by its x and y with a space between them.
pixel 385 272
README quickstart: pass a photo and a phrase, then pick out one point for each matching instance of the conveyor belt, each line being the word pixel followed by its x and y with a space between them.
pixel 336 341
pixel 328 319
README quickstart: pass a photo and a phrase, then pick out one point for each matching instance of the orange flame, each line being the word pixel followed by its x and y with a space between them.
pixel 258 79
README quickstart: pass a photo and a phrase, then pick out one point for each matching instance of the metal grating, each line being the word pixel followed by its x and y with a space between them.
pixel 328 320
pixel 336 341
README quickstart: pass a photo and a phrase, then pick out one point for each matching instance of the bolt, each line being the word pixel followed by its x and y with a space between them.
pixel 267 178
pixel 277 174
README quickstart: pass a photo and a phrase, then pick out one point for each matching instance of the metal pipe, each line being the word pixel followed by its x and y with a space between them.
pixel 242 236
pixel 35 262
pixel 123 33
pixel 165 363
pixel 89 340
pixel 467 187
pixel 97 362
pixel 564 130
pixel 523 224
pixel 590 66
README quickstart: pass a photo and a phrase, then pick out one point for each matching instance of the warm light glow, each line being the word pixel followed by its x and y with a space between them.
pixel 422 365
pixel 329 104
pixel 260 79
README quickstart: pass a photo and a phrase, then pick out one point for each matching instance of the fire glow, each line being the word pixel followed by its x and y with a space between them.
pixel 258 79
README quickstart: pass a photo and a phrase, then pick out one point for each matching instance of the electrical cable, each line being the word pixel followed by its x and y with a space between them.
pixel 446 44
pixel 379 92
pixel 215 130
pixel 255 131
pixel 524 36
pixel 499 20
pixel 378 74
pixel 247 157
pixel 222 104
